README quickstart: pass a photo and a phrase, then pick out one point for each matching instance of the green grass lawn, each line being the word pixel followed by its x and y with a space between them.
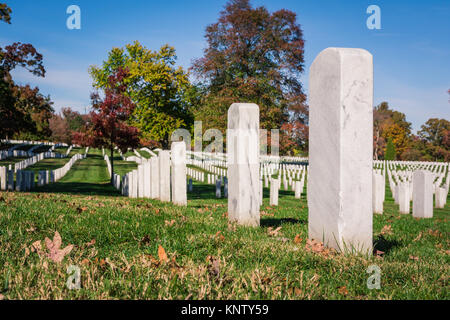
pixel 144 154
pixel 116 241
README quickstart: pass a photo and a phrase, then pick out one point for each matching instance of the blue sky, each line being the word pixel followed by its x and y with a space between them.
pixel 411 51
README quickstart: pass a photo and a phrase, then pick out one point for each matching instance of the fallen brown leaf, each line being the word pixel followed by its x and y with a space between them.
pixel 162 254
pixel 343 290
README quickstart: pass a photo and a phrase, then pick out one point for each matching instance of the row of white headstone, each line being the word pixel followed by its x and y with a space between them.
pixel 25 180
pixel 161 177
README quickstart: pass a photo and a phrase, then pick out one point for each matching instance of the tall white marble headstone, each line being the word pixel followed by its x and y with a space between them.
pixel 178 155
pixel 340 149
pixel 243 164
pixel 422 194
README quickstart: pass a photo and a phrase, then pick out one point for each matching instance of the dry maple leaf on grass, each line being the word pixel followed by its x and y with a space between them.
pixel 271 232
pixel 318 247
pixel 343 290
pixel 162 254
pixel 387 230
pixel 55 253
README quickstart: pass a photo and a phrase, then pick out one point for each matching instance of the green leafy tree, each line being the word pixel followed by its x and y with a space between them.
pixel 390 153
pixel 435 132
pixel 161 92
pixel 389 123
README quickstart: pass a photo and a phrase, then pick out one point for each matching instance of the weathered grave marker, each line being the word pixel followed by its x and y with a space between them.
pixel 243 164
pixel 340 149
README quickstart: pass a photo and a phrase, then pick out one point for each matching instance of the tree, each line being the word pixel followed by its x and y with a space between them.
pixel 22 109
pixel 389 123
pixel 35 111
pixel 5 13
pixel 60 129
pixel 162 93
pixel 435 132
pixel 253 56
pixel 108 127
pixel 390 153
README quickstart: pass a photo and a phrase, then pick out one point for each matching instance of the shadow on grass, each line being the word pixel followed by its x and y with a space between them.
pixel 73 188
pixel 273 222
pixel 202 192
pixel 384 245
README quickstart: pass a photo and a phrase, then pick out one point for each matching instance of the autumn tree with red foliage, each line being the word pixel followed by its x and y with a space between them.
pixel 255 56
pixel 25 112
pixel 108 127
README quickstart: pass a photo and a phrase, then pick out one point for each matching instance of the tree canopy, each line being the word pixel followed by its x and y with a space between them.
pixel 108 127
pixel 25 112
pixel 254 56
pixel 160 91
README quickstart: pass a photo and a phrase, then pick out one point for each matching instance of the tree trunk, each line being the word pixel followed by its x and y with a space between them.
pixel 376 144
pixel 112 164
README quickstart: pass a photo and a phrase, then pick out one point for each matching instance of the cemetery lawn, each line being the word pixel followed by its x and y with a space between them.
pixel 201 255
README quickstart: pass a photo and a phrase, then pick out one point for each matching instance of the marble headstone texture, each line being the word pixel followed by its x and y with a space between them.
pixel 218 188
pixel 3 175
pixel 19 183
pixel 178 154
pixel 134 184
pixel 297 189
pixel 423 194
pixel 154 177
pixel 243 164
pixel 225 187
pixel 377 193
pixel 273 201
pixel 340 149
pixel 441 197
pixel 141 177
pixel 403 198
pixel 164 175
pixel 147 179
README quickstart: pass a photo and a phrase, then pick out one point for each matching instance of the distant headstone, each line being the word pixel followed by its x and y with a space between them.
pixel 218 188
pixel 178 155
pixel 3 178
pixel 377 193
pixel 274 185
pixel 423 194
pixel 403 198
pixel 243 164
pixel 154 177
